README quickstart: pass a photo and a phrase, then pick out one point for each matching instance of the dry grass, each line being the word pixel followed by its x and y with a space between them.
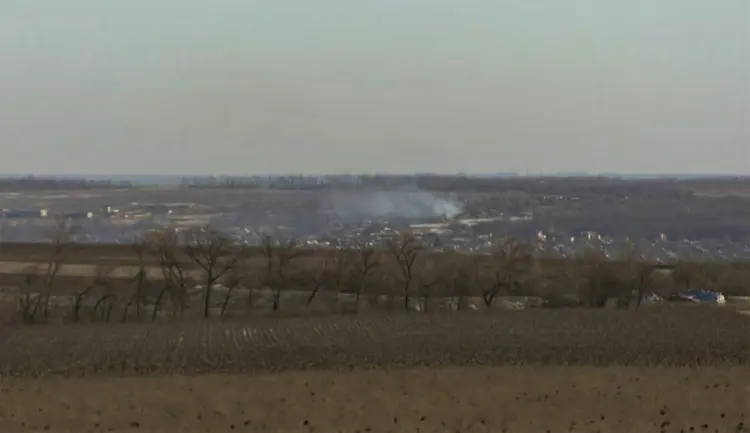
pixel 656 370
pixel 654 337
pixel 588 280
pixel 721 189
pixel 501 399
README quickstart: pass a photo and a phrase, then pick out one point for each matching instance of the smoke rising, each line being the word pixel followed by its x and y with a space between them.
pixel 408 203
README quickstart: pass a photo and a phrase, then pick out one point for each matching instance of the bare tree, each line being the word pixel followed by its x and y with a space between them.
pixel 431 275
pixel 635 272
pixel 405 249
pixel 596 276
pixel 101 279
pixel 140 247
pixel 61 239
pixel 268 248
pixel 321 276
pixel 364 262
pixel 28 304
pixel 215 254
pixel 104 305
pixel 163 244
pixel 341 270
pixel 279 258
pixel 460 282
pixel 662 283
pixel 551 282
pixel 512 261
pixel 231 281
pixel 486 276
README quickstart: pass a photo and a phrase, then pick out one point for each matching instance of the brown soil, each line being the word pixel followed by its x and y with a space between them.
pixel 656 370
pixel 500 399
pixel 652 337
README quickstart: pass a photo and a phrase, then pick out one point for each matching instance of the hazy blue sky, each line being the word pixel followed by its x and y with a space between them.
pixel 250 86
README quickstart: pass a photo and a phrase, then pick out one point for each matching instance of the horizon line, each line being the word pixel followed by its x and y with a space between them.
pixel 499 174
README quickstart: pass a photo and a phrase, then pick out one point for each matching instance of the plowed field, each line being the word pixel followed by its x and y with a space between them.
pixel 670 336
pixel 660 370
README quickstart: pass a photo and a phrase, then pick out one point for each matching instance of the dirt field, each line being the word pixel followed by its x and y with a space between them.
pixel 481 399
pixel 78 253
pixel 721 189
pixel 670 370
pixel 669 337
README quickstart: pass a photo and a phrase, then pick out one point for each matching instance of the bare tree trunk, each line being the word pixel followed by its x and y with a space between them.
pixel 227 298
pixel 320 279
pixel 310 298
pixel 78 303
pixel 250 298
pixel 29 302
pixel 405 250
pixel 488 296
pixel 278 261
pixel 276 300
pixel 136 297
pixel 157 302
pixel 109 311
pixel 640 289
pixel 360 289
pixel 108 297
pixel 60 238
pixel 407 288
pixel 215 254
pixel 314 292
pixel 364 264
pixel 207 296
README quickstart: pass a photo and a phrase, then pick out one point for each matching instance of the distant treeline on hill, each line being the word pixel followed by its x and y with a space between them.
pixel 566 184
pixel 437 182
pixel 31 183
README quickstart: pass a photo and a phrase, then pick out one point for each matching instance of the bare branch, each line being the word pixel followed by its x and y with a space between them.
pixel 320 277
pixel 405 249
pixel 215 254
pixel 61 239
pixel 140 248
pixel 279 257
pixel 363 263
pixel 512 261
pixel 164 245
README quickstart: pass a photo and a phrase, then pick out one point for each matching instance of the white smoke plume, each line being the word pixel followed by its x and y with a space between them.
pixel 408 203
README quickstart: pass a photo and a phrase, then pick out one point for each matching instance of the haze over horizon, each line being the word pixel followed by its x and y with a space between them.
pixel 250 87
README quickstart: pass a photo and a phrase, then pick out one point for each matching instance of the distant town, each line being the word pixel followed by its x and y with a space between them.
pixel 351 211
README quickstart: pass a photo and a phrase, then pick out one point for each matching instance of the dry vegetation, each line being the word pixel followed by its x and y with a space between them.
pixel 546 370
pixel 581 368
pixel 669 337
pixel 466 400
pixel 378 291
pixel 163 273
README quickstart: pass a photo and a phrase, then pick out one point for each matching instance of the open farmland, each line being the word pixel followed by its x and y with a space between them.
pixel 446 400
pixel 667 369
pixel 668 337
pixel 289 363
pixel 657 368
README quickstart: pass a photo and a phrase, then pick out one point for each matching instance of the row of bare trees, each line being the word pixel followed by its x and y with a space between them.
pixel 172 266
pixel 33 303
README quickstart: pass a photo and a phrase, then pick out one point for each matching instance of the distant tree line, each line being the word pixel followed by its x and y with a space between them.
pixel 409 276
pixel 35 183
pixel 450 183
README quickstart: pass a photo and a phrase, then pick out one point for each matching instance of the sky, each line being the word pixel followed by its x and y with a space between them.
pixel 340 86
